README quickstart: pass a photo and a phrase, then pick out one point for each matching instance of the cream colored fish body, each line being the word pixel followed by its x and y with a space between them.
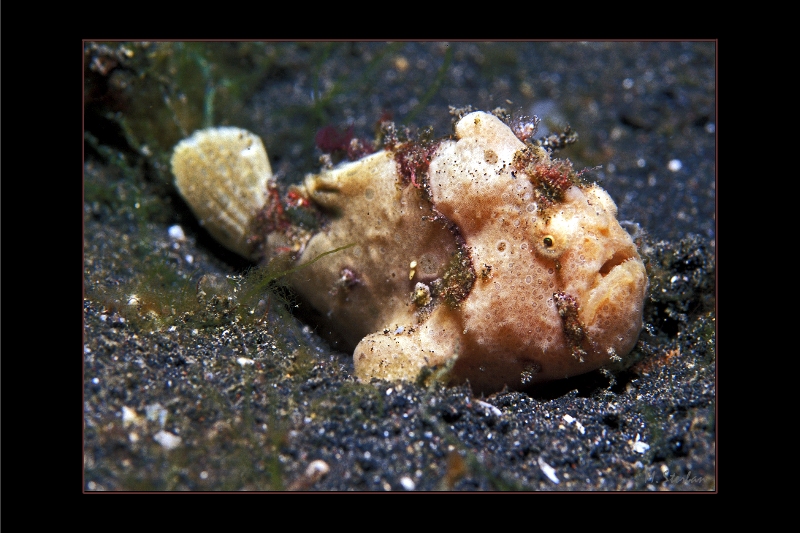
pixel 491 258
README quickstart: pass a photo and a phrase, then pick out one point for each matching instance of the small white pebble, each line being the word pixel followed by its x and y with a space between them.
pixel 176 233
pixel 244 361
pixel 627 83
pixel 318 468
pixel 189 259
pixel 167 439
pixel 129 416
pixel 639 446
pixel 203 475
pixel 407 483
pixel 155 412
pixel 675 165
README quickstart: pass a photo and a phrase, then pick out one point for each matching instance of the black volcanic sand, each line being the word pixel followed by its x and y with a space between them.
pixel 194 380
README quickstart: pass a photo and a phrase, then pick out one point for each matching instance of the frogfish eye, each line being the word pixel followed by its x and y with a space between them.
pixel 548 241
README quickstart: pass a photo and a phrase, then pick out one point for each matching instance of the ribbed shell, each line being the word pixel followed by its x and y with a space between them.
pixel 222 173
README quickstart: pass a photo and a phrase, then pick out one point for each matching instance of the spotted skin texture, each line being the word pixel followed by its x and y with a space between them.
pixel 497 263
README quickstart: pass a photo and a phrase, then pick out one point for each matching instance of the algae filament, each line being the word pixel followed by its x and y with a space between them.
pixel 162 297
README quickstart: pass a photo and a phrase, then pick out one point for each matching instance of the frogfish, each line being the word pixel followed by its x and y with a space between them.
pixel 480 253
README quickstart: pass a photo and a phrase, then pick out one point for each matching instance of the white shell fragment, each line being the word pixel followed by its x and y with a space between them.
pixel 639 446
pixel 315 471
pixel 489 408
pixel 167 440
pixel 548 471
pixel 570 420
pixel 226 205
